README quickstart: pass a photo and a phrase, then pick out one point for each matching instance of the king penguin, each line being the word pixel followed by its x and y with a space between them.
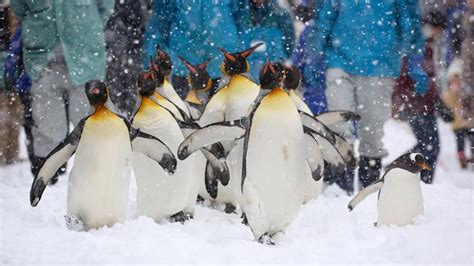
pixel 273 159
pixel 400 200
pixel 160 195
pixel 99 180
pixel 201 83
pixel 232 101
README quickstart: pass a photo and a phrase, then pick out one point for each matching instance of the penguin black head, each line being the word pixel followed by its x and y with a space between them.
pixel 163 61
pixel 292 78
pixel 147 83
pixel 199 78
pixel 271 75
pixel 412 162
pixel 236 63
pixel 96 92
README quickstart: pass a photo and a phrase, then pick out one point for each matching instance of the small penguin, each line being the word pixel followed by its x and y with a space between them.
pixel 232 102
pixel 99 180
pixel 159 195
pixel 274 156
pixel 201 84
pixel 400 200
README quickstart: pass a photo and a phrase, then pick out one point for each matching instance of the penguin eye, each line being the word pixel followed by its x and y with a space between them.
pixel 419 158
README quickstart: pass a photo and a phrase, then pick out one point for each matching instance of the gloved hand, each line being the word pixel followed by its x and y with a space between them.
pixel 418 73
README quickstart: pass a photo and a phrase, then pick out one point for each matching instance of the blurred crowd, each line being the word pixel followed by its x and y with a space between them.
pixel 407 59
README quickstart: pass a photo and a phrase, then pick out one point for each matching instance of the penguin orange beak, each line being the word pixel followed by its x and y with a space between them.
pixel 425 166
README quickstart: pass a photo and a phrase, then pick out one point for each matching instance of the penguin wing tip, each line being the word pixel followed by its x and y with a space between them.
pixel 350 207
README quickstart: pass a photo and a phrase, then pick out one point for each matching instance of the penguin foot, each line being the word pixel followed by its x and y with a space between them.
pixel 179 217
pixel 229 208
pixel 266 239
pixel 74 224
pixel 375 224
pixel 189 215
pixel 199 199
pixel 244 219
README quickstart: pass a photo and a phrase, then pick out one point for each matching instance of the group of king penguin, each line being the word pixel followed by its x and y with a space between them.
pixel 253 147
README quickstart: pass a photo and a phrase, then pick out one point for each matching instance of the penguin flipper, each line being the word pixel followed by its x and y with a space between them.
pixel 218 132
pixel 154 149
pixel 330 154
pixel 210 181
pixel 314 157
pixel 314 125
pixel 334 117
pixel 218 168
pixel 55 159
pixel 374 187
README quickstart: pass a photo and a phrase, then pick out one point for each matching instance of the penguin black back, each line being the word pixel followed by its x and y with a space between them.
pixel 271 75
pixel 236 63
pixel 412 162
pixel 163 61
pixel 199 78
pixel 147 82
pixel 292 78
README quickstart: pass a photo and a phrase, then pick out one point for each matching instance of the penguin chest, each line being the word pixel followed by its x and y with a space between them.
pixel 159 194
pixel 171 94
pixel 275 160
pixel 400 200
pixel 99 180
pixel 240 96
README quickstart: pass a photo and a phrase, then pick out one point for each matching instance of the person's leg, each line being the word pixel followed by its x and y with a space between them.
pixel 78 104
pixel 425 129
pixel 341 96
pixel 50 117
pixel 14 132
pixel 460 144
pixel 471 143
pixel 374 106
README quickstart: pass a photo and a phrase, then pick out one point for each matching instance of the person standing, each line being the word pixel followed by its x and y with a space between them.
pixel 63 48
pixel 363 42
pixel 124 38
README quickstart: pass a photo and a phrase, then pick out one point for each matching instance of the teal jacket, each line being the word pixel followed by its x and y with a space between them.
pixel 369 37
pixel 76 25
pixel 273 26
pixel 195 29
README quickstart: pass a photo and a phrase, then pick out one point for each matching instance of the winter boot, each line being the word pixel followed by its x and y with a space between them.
pixel 369 170
pixel 36 164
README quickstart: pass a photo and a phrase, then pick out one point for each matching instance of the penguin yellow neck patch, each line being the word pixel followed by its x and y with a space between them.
pixel 103 113
pixel 193 98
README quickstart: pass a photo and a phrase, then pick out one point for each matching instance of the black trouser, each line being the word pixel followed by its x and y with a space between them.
pixel 425 128
pixel 461 136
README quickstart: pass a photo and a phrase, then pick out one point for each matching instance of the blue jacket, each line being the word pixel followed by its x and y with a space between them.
pixel 368 37
pixel 195 29
pixel 313 70
pixel 15 74
pixel 273 26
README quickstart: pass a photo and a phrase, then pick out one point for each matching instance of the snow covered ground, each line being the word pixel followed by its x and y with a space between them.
pixel 324 232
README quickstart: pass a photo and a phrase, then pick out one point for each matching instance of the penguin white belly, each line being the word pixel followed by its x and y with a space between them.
pixel 274 184
pixel 400 201
pixel 99 180
pixel 160 195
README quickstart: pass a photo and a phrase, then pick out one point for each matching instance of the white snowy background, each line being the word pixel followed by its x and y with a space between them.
pixel 324 232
